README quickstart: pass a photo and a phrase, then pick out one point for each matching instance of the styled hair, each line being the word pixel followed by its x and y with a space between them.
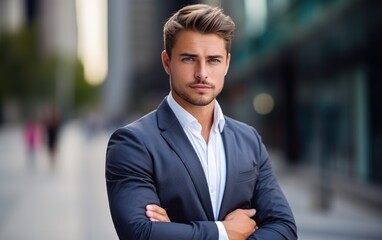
pixel 200 18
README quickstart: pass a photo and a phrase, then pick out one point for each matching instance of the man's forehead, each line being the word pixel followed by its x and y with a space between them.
pixel 194 42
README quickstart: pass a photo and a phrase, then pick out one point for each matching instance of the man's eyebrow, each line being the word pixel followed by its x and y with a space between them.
pixel 195 55
pixel 215 56
pixel 187 55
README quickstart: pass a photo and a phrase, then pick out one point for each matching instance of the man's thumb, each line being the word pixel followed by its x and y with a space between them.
pixel 250 212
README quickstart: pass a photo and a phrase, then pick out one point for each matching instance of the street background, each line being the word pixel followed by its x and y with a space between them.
pixel 305 73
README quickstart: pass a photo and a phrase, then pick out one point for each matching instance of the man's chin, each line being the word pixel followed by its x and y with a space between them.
pixel 201 102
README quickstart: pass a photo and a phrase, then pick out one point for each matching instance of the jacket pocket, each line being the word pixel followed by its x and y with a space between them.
pixel 248 174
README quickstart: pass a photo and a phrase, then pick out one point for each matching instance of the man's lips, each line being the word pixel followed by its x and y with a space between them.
pixel 201 86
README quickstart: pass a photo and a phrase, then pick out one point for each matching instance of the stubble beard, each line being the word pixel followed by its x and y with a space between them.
pixel 200 100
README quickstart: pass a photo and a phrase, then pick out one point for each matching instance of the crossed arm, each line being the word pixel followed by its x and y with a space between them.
pixel 238 224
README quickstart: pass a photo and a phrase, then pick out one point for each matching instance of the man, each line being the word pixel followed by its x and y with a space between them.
pixel 186 171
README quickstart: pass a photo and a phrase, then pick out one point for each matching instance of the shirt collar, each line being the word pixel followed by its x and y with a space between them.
pixel 186 119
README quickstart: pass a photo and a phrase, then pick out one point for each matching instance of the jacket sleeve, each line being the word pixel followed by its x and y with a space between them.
pixel 273 214
pixel 130 187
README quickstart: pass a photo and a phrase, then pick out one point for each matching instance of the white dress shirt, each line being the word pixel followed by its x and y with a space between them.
pixel 211 154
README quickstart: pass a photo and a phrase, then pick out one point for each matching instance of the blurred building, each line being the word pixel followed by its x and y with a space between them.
pixel 57 23
pixel 58 27
pixel 318 62
pixel 12 15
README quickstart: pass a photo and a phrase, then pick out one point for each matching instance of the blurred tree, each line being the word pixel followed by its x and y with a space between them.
pixel 85 94
pixel 25 75
pixel 28 77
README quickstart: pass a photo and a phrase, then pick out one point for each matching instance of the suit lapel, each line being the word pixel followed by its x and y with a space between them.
pixel 173 133
pixel 231 165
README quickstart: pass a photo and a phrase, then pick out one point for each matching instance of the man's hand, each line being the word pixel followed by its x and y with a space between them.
pixel 156 213
pixel 239 225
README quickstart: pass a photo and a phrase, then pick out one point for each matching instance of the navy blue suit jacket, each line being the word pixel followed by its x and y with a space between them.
pixel 151 161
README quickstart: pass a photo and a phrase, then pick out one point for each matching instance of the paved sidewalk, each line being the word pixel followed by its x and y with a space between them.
pixel 345 219
pixel 65 202
pixel 69 201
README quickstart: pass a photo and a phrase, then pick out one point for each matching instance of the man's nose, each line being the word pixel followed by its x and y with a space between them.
pixel 201 71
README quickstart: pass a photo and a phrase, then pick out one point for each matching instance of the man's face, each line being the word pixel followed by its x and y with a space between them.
pixel 197 67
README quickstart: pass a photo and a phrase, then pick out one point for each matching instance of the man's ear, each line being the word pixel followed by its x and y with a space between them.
pixel 166 61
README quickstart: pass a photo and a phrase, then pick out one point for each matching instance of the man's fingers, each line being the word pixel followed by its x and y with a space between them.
pixel 246 212
pixel 156 213
pixel 152 213
pixel 156 208
pixel 250 212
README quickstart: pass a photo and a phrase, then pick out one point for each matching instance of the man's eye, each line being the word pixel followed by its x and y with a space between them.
pixel 188 59
pixel 214 60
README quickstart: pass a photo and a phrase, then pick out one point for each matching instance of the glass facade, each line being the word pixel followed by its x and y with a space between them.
pixel 319 61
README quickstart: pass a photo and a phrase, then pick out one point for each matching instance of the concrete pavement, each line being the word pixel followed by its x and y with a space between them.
pixel 65 202
pixel 69 201
pixel 345 219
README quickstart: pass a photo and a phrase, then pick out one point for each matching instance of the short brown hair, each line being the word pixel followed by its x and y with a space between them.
pixel 201 18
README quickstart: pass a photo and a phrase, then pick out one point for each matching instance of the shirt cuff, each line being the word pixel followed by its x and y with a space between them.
pixel 222 232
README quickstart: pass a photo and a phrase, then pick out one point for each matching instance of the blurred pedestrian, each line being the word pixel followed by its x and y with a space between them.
pixel 52 129
pixel 186 171
pixel 32 138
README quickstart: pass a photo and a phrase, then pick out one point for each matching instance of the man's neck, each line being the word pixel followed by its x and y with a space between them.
pixel 203 114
